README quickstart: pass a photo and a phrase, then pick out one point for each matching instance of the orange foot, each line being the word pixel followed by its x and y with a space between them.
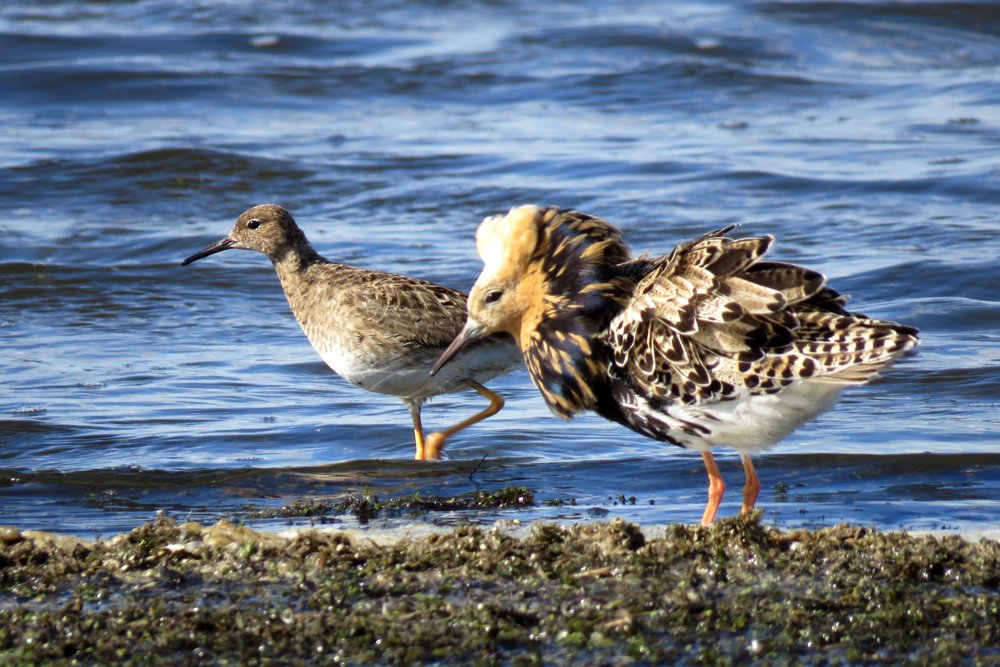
pixel 433 444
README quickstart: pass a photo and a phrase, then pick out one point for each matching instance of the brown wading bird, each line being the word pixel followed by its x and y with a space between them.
pixel 705 346
pixel 379 331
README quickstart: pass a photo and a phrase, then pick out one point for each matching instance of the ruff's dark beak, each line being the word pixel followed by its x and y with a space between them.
pixel 471 332
pixel 224 244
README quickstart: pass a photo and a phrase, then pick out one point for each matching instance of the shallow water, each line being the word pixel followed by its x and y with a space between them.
pixel 863 135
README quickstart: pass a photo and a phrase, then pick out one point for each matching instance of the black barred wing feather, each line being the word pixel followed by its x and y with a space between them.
pixel 711 322
pixel 691 310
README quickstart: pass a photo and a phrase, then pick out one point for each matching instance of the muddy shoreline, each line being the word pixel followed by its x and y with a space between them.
pixel 596 593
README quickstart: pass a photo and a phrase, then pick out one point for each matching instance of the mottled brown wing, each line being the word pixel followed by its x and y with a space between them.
pixel 413 311
pixel 711 322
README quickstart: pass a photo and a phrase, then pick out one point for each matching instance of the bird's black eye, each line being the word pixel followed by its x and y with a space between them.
pixel 253 224
pixel 492 297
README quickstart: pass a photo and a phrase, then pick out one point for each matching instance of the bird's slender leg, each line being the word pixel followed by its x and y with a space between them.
pixel 716 487
pixel 752 488
pixel 435 441
pixel 418 428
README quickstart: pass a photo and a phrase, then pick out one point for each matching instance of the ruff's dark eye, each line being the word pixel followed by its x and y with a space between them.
pixel 253 224
pixel 493 297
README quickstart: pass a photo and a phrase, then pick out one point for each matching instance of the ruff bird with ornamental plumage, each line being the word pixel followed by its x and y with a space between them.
pixel 709 345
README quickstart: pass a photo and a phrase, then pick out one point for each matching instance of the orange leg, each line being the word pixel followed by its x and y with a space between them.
pixel 752 488
pixel 435 441
pixel 716 487
pixel 418 428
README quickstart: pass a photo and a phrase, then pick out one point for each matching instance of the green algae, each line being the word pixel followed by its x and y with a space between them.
pixel 366 507
pixel 592 593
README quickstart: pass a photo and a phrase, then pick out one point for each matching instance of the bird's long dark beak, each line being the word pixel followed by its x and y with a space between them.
pixel 224 244
pixel 471 332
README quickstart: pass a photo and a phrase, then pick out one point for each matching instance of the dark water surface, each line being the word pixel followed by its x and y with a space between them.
pixel 864 135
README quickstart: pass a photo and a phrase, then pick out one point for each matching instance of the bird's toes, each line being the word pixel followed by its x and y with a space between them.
pixel 433 445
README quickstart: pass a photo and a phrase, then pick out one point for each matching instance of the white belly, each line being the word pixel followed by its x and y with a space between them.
pixel 408 375
pixel 758 422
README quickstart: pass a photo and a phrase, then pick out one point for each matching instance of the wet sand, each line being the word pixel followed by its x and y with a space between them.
pixel 600 593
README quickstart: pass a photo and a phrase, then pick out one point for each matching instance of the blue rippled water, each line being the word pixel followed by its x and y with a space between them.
pixel 865 136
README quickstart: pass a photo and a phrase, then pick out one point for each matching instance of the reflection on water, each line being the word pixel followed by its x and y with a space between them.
pixel 863 136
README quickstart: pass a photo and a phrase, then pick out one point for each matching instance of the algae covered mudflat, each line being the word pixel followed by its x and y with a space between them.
pixel 606 593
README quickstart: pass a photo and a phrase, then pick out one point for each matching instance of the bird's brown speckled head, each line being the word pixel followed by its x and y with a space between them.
pixel 267 228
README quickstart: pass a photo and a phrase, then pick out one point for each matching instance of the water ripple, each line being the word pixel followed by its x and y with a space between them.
pixel 861 135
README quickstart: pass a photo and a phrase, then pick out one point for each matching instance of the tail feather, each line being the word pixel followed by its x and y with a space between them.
pixel 796 284
pixel 739 255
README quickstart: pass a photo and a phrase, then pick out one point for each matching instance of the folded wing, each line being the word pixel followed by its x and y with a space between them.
pixel 713 322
